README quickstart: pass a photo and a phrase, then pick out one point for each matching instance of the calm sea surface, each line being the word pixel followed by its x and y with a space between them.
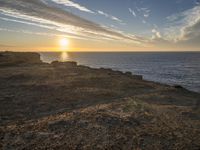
pixel 169 68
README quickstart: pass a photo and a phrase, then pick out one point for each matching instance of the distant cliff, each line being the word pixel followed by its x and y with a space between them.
pixel 15 58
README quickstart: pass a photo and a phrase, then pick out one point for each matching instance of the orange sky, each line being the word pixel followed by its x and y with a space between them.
pixel 100 26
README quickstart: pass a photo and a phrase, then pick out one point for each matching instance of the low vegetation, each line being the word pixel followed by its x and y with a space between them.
pixel 67 106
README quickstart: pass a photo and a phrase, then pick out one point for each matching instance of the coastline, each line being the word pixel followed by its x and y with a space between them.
pixel 167 68
pixel 66 105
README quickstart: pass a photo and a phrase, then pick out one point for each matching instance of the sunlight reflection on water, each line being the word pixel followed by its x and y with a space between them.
pixel 64 56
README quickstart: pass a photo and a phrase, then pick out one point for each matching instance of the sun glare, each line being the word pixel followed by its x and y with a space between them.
pixel 64 43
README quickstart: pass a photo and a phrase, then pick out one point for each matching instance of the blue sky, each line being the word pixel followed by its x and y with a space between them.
pixel 100 24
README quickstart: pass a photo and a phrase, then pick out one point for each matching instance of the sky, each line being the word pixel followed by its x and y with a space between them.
pixel 100 25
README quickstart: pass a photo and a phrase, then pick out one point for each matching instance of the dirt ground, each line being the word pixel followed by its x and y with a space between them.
pixel 65 106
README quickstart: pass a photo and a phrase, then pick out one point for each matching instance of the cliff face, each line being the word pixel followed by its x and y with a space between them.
pixel 15 58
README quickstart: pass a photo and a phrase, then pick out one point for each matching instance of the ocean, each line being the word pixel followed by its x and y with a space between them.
pixel 173 68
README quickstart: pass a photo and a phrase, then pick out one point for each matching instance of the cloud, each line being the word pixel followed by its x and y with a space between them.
pixel 39 13
pixel 144 11
pixel 156 34
pixel 184 25
pixel 191 35
pixel 42 33
pixel 144 21
pixel 146 15
pixel 182 31
pixel 132 12
pixel 72 4
pixel 192 31
pixel 110 16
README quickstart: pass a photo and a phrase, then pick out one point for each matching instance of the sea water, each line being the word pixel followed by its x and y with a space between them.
pixel 182 68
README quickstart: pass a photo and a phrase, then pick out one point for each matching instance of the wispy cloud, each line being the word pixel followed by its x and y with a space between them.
pixel 72 4
pixel 144 11
pixel 132 12
pixel 181 24
pixel 41 33
pixel 109 16
pixel 37 12
pixel 156 34
pixel 182 30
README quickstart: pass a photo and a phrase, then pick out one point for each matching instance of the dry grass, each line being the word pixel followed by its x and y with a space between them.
pixel 48 107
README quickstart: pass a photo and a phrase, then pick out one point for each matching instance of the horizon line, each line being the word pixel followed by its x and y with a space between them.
pixel 85 51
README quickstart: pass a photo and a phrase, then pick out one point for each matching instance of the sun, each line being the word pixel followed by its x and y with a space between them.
pixel 64 42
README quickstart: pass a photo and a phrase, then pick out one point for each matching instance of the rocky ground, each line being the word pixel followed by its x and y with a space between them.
pixel 66 106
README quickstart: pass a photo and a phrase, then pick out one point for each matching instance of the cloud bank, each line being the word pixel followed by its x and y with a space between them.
pixel 182 30
pixel 40 13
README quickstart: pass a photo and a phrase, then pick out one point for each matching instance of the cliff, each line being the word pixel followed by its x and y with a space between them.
pixel 69 106
pixel 16 58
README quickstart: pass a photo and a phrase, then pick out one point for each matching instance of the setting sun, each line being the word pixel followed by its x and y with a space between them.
pixel 64 42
